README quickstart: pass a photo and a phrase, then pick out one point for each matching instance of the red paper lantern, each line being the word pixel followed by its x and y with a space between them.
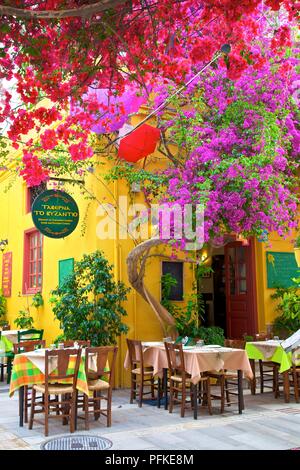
pixel 139 144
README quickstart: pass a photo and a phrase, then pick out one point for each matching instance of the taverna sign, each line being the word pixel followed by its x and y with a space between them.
pixel 55 213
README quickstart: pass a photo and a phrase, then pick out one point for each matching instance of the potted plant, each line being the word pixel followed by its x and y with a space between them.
pixel 24 320
pixel 89 303
pixel 288 307
pixel 37 300
pixel 297 250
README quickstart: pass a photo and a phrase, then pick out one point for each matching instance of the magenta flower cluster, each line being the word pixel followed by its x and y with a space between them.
pixel 240 154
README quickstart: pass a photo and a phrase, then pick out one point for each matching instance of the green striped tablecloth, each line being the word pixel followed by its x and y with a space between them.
pixel 5 345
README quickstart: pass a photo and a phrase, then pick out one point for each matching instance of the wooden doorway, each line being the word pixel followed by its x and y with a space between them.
pixel 241 310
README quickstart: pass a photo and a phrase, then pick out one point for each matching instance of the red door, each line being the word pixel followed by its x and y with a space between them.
pixel 240 290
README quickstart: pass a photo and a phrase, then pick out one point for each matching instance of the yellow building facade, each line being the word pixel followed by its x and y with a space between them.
pixel 16 220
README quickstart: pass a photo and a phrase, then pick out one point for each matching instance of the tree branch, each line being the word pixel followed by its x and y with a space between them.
pixel 83 11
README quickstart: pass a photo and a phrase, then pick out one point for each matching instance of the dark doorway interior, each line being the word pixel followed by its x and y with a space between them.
pixel 218 266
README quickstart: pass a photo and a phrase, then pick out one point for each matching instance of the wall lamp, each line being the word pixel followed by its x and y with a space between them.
pixel 3 244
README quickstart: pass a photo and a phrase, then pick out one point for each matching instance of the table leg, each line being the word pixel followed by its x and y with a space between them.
pixel 165 387
pixel 253 381
pixel 286 386
pixel 195 400
pixel 76 410
pixel 240 391
pixel 158 392
pixel 9 367
pixel 21 406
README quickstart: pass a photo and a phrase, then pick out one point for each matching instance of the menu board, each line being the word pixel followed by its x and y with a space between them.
pixel 281 268
pixel 6 273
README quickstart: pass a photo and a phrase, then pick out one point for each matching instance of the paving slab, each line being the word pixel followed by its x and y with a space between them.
pixel 266 423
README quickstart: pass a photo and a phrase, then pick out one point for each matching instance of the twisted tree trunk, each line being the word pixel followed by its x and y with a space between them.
pixel 136 263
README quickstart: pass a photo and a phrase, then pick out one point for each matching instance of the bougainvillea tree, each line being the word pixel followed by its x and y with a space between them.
pixel 238 146
pixel 62 50
pixel 241 154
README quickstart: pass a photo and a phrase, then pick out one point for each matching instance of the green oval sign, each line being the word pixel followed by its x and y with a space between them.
pixel 55 214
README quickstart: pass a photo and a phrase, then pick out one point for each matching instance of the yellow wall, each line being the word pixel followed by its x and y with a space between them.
pixel 14 221
pixel 265 305
pixel 141 320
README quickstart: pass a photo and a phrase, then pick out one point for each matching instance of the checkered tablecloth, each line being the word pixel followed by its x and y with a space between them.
pixel 24 372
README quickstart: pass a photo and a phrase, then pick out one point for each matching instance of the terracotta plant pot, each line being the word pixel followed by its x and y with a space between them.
pixel 297 255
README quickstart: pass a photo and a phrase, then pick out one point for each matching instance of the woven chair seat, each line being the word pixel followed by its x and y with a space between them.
pixel 98 385
pixel 55 389
pixel 177 378
pixel 148 370
pixel 220 373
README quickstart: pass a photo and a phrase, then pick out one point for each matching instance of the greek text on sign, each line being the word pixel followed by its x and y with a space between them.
pixel 6 274
pixel 55 213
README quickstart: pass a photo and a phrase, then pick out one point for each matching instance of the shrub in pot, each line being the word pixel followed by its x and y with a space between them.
pixel 88 305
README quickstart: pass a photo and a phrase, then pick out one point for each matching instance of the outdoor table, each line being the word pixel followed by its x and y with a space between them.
pixel 198 359
pixel 29 369
pixel 270 350
pixel 9 338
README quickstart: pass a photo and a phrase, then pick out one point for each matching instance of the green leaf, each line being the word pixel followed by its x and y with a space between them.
pixel 31 51
pixel 4 28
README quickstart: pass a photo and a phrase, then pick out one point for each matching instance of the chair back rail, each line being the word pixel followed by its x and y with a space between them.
pixel 27 346
pixel 105 355
pixel 30 335
pixel 175 359
pixel 63 357
pixel 135 350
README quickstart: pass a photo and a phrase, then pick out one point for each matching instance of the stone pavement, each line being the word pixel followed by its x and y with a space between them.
pixel 265 424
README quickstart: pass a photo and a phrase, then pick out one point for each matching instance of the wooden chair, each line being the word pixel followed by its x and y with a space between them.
pixel 141 374
pixel 268 371
pixel 27 346
pixel 227 380
pixel 100 382
pixel 6 356
pixel 30 335
pixel 294 374
pixel 65 395
pixel 69 343
pixel 181 384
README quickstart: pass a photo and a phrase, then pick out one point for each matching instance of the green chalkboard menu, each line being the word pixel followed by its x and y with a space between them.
pixel 281 268
pixel 65 267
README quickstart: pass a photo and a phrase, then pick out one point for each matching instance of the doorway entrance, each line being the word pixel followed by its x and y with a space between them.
pixel 232 290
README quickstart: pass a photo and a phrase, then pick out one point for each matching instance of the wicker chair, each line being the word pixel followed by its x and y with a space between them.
pixel 294 375
pixel 181 384
pixel 6 358
pixel 268 371
pixel 100 383
pixel 27 346
pixel 141 374
pixel 64 403
pixel 227 380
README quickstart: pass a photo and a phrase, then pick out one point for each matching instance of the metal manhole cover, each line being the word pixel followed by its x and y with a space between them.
pixel 80 442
